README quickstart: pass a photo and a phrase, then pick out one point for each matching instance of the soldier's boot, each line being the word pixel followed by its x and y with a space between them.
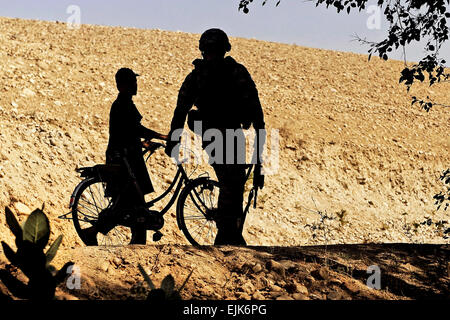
pixel 229 233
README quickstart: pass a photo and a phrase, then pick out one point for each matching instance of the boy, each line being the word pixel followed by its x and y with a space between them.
pixel 125 133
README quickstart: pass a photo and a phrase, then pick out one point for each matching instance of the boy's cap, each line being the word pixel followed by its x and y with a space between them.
pixel 125 74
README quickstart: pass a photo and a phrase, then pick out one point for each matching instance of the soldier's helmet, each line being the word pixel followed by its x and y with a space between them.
pixel 214 40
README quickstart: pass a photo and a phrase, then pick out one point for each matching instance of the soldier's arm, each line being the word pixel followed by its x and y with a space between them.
pixel 185 101
pixel 250 95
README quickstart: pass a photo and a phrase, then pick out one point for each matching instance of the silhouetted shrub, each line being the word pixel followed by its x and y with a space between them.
pixel 31 240
pixel 167 290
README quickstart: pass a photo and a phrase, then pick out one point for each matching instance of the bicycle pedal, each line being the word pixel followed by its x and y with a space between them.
pixel 157 236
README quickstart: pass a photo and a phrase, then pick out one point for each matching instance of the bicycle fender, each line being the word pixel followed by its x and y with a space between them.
pixel 203 179
pixel 188 184
pixel 77 189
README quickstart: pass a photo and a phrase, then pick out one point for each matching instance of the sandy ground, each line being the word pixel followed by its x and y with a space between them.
pixel 351 145
pixel 338 272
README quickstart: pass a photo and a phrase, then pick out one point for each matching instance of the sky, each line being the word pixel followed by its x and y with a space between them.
pixel 293 21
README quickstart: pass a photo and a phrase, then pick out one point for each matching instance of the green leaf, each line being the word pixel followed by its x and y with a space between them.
pixel 51 252
pixel 37 229
pixel 146 277
pixel 13 224
pixel 9 253
pixel 168 284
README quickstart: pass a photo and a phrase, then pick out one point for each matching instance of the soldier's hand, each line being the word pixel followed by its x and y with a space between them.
pixel 258 177
pixel 146 143
pixel 169 148
pixel 164 137
pixel 172 149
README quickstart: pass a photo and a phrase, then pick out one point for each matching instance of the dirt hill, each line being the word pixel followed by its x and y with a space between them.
pixel 351 145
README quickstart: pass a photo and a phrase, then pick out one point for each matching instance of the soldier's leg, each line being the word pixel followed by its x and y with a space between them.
pixel 231 183
pixel 237 184
pixel 221 237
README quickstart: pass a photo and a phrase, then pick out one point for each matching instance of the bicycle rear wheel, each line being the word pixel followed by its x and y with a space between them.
pixel 196 211
pixel 89 201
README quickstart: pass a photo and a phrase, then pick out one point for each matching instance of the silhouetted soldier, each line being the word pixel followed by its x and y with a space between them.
pixel 226 98
pixel 125 133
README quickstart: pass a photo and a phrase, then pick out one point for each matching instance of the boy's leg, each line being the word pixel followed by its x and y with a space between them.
pixel 139 233
pixel 106 221
pixel 110 218
pixel 104 224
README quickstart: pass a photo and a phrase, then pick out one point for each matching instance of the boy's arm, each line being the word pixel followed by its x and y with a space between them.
pixel 149 134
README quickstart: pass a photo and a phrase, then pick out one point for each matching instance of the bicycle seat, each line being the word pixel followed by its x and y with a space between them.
pixel 107 169
pixel 99 169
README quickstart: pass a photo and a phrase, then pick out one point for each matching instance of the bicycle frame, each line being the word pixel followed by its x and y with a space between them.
pixel 180 178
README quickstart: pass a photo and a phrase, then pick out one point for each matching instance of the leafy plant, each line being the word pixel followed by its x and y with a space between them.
pixel 31 240
pixel 342 214
pixel 443 197
pixel 321 226
pixel 409 21
pixel 439 227
pixel 167 290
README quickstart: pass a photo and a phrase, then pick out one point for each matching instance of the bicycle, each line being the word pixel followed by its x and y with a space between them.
pixel 196 206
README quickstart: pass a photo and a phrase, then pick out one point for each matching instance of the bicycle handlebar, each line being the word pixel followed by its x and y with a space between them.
pixel 151 146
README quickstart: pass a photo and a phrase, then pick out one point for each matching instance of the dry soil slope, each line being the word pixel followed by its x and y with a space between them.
pixel 408 271
pixel 349 138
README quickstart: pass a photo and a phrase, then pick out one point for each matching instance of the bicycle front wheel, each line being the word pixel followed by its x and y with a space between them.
pixel 197 209
pixel 89 201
